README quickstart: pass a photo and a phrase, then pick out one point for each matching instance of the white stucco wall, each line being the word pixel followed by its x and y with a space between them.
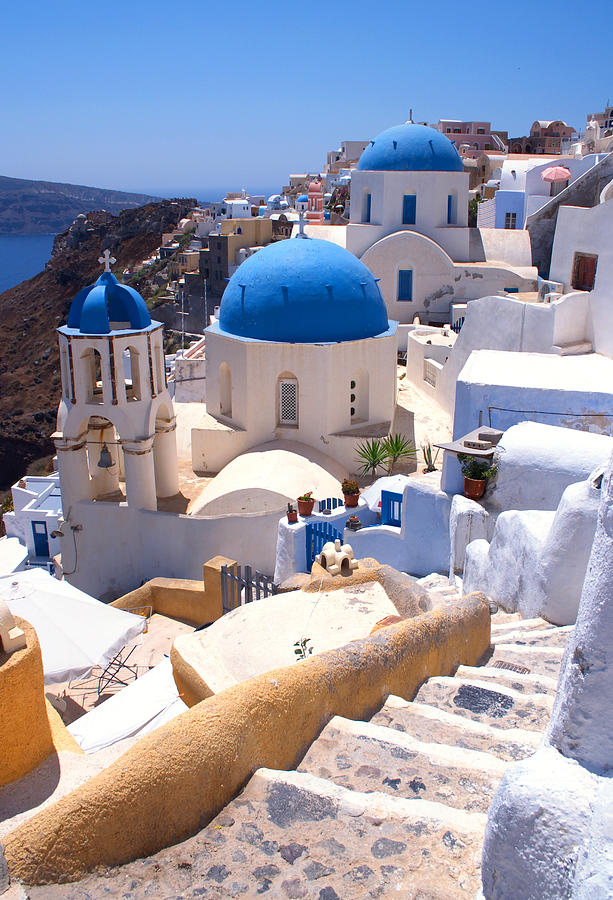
pixel 588 230
pixel 118 547
pixel 501 389
pixel 536 561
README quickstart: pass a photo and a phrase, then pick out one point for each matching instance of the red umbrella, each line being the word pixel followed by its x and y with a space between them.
pixel 555 173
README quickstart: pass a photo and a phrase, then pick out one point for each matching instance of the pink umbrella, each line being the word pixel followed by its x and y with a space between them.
pixel 555 173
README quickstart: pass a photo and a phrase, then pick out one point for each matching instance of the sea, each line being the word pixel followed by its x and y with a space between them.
pixel 22 256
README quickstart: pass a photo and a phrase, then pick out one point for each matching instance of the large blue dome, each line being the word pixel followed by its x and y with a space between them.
pixel 97 305
pixel 411 148
pixel 303 291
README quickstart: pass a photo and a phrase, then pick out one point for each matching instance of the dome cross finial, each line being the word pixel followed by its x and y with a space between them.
pixel 107 260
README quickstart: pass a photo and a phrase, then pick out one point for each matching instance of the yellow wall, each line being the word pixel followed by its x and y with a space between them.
pixel 25 733
pixel 178 598
pixel 174 781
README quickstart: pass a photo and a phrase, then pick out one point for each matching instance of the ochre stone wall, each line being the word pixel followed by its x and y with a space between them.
pixel 178 598
pixel 25 733
pixel 175 780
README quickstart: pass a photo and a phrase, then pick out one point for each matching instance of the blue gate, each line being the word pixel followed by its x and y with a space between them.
pixel 318 534
pixel 391 508
pixel 330 503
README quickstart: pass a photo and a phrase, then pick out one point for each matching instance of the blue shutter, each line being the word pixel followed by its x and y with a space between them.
pixel 405 284
pixel 368 205
pixel 450 209
pixel 409 207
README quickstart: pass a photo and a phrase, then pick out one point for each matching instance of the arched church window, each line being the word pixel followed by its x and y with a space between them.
pixel 225 390
pixel 132 374
pixel 288 400
pixel 92 371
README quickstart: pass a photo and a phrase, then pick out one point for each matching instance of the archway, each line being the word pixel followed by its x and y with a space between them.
pixel 92 376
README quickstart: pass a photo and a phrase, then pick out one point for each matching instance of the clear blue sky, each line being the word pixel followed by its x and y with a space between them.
pixel 166 97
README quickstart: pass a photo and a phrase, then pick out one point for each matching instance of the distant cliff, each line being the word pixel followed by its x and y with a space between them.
pixel 31 311
pixel 44 207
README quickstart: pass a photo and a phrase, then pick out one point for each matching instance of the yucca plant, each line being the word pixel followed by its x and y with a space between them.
pixel 429 457
pixel 397 447
pixel 371 454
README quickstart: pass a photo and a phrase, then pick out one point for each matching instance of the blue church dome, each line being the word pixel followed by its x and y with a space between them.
pixel 303 291
pixel 97 305
pixel 411 148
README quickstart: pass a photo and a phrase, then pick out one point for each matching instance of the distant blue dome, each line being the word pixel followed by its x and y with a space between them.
pixel 411 148
pixel 303 291
pixel 96 306
pixel 303 199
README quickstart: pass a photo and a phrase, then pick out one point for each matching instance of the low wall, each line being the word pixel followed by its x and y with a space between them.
pixel 178 598
pixel 175 780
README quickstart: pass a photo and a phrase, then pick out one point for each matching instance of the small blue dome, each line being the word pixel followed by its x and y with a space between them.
pixel 96 306
pixel 303 291
pixel 303 199
pixel 411 148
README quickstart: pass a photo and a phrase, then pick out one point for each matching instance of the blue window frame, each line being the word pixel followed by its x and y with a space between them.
pixel 391 508
pixel 405 284
pixel 450 209
pixel 409 208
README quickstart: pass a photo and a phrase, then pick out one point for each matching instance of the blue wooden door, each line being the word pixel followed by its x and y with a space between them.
pixel 41 541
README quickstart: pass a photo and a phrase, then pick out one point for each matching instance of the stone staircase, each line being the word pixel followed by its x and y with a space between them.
pixel 391 807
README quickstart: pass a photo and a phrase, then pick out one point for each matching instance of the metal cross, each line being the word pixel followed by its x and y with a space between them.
pixel 107 260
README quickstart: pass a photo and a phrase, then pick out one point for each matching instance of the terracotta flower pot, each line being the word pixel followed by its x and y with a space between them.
pixel 474 488
pixel 351 500
pixel 305 507
pixel 292 517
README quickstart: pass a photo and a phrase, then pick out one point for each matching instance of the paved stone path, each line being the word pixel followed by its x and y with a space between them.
pixel 394 807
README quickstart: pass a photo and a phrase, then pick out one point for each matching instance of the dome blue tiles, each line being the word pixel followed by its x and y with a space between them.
pixel 411 148
pixel 107 301
pixel 303 291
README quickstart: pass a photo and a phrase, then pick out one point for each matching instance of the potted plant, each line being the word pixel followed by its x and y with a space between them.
pixel 306 503
pixel 292 514
pixel 353 523
pixel 476 472
pixel 351 492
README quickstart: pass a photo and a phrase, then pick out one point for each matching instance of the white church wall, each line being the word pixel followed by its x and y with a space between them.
pixel 437 280
pixel 323 373
pixel 431 190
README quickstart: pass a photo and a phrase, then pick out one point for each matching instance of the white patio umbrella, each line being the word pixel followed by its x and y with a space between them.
pixel 141 707
pixel 76 632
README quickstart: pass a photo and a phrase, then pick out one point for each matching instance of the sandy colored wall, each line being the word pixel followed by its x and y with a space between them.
pixel 174 781
pixel 25 733
pixel 179 598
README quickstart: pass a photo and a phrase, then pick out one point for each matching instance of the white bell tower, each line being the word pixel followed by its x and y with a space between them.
pixel 115 422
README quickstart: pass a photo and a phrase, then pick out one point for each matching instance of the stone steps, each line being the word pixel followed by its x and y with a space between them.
pixel 483 701
pixel 525 683
pixel 439 726
pixel 539 660
pixel 551 637
pixel 391 807
pixel 368 757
